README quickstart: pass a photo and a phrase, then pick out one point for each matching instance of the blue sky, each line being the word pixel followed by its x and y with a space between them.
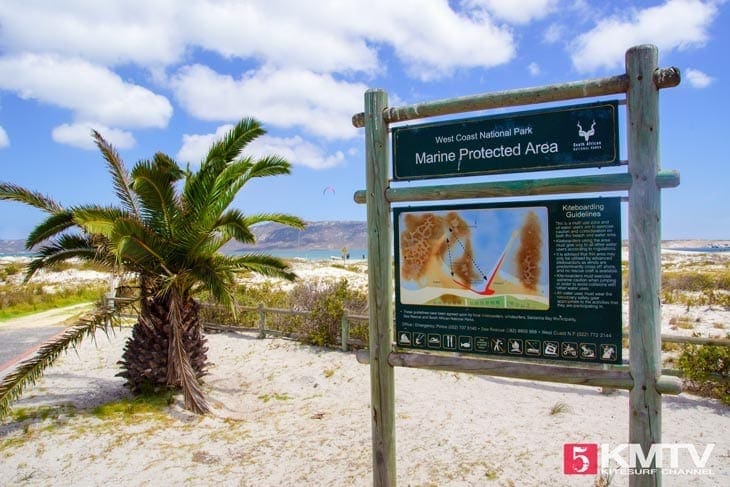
pixel 166 75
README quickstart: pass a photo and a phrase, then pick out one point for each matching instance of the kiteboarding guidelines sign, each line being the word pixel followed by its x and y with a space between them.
pixel 539 279
pixel 557 138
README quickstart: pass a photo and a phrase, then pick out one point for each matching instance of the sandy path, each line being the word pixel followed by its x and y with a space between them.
pixel 44 318
pixel 20 337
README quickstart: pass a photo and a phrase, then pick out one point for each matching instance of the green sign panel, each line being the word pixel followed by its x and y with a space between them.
pixel 539 279
pixel 556 138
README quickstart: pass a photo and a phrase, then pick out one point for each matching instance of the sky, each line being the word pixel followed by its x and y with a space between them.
pixel 171 76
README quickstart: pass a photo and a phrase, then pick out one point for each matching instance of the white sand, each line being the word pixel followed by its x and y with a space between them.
pixel 290 414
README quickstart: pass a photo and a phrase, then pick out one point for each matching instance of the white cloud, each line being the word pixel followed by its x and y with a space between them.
pixel 697 78
pixel 137 31
pixel 4 140
pixel 195 147
pixel 534 69
pixel 316 103
pixel 295 149
pixel 90 91
pixel 324 37
pixel 79 135
pixel 344 36
pixel 306 35
pixel 433 40
pixel 521 12
pixel 676 24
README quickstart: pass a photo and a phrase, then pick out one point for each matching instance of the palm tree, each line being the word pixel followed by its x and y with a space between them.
pixel 168 229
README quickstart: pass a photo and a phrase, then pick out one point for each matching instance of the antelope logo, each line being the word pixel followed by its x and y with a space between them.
pixel 589 133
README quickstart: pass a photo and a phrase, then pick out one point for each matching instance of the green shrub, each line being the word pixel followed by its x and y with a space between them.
pixel 326 302
pixel 706 369
pixel 31 298
pixel 248 296
pixel 11 269
pixel 695 280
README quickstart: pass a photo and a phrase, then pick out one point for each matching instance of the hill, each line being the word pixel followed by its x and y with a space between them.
pixel 326 235
pixel 331 235
pixel 12 246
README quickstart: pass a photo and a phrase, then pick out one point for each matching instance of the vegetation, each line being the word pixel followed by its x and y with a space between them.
pixel 29 298
pixel 558 408
pixel 707 368
pixel 708 286
pixel 323 302
pixel 326 303
pixel 145 403
pixel 167 229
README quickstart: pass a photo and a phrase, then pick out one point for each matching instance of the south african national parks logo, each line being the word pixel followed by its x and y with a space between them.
pixel 588 139
pixel 587 134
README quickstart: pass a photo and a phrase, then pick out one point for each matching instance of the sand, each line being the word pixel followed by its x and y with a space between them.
pixel 291 414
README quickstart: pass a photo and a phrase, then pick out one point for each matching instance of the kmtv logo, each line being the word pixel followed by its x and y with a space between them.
pixel 630 458
pixel 580 458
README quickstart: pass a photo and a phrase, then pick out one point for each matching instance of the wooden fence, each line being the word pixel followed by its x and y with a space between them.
pixel 346 341
pixel 263 330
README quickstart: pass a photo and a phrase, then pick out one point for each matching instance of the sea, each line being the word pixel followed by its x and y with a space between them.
pixel 315 254
pixel 703 249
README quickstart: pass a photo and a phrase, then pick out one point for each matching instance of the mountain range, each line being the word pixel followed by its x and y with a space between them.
pixel 325 235
pixel 330 235
pixel 334 235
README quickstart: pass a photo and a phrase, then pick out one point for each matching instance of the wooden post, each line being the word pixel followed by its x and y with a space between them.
pixel 645 403
pixel 262 321
pixel 380 292
pixel 345 331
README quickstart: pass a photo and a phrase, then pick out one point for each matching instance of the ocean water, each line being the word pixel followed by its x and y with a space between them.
pixel 709 250
pixel 316 254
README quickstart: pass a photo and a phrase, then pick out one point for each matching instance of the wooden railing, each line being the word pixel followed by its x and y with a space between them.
pixel 263 330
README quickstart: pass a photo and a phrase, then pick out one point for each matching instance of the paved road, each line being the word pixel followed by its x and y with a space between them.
pixel 21 336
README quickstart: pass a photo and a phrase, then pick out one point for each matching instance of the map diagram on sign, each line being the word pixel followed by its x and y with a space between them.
pixel 491 258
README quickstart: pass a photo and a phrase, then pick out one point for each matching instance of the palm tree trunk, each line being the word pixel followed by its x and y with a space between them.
pixel 179 367
pixel 151 349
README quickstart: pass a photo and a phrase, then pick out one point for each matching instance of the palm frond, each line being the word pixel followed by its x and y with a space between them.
pixel 269 166
pixel 180 368
pixel 169 166
pixel 55 224
pixel 263 264
pixel 197 195
pixel 140 247
pixel 27 372
pixel 207 186
pixel 282 218
pixel 120 177
pixel 214 273
pixel 154 184
pixel 100 220
pixel 13 192
pixel 65 247
pixel 232 225
pixel 230 146
pixel 238 173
